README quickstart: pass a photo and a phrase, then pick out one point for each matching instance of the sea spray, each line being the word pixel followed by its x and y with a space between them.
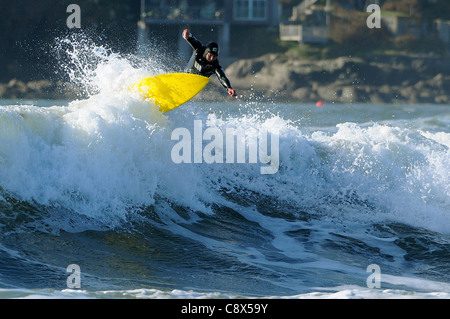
pixel 94 68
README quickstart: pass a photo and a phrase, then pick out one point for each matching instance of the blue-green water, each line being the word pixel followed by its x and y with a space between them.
pixel 93 183
pixel 237 198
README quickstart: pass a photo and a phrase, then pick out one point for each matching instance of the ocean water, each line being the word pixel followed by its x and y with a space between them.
pixel 357 204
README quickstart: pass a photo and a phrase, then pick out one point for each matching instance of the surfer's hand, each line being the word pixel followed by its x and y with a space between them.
pixel 232 92
pixel 186 34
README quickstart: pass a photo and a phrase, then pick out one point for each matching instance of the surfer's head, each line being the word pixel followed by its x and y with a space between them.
pixel 211 51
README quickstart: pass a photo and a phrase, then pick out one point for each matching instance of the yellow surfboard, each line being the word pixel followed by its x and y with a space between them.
pixel 170 90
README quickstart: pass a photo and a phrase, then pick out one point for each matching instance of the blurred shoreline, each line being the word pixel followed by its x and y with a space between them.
pixel 374 79
pixel 17 89
pixel 284 78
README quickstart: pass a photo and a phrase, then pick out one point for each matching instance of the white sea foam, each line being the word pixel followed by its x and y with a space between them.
pixel 113 150
pixel 339 292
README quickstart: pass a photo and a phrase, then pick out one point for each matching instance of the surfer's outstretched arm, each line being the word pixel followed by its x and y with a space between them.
pixel 223 78
pixel 193 42
pixel 224 81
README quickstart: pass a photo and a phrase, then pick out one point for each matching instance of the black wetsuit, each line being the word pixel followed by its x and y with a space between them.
pixel 199 65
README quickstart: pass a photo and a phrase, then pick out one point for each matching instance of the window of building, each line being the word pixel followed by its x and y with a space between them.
pixel 250 9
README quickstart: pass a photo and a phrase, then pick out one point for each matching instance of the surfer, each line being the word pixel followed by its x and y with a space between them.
pixel 204 61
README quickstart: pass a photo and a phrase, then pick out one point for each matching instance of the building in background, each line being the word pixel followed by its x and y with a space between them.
pixel 443 29
pixel 309 23
pixel 216 20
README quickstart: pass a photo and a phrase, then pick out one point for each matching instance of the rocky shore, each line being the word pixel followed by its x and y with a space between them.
pixel 280 77
pixel 345 80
